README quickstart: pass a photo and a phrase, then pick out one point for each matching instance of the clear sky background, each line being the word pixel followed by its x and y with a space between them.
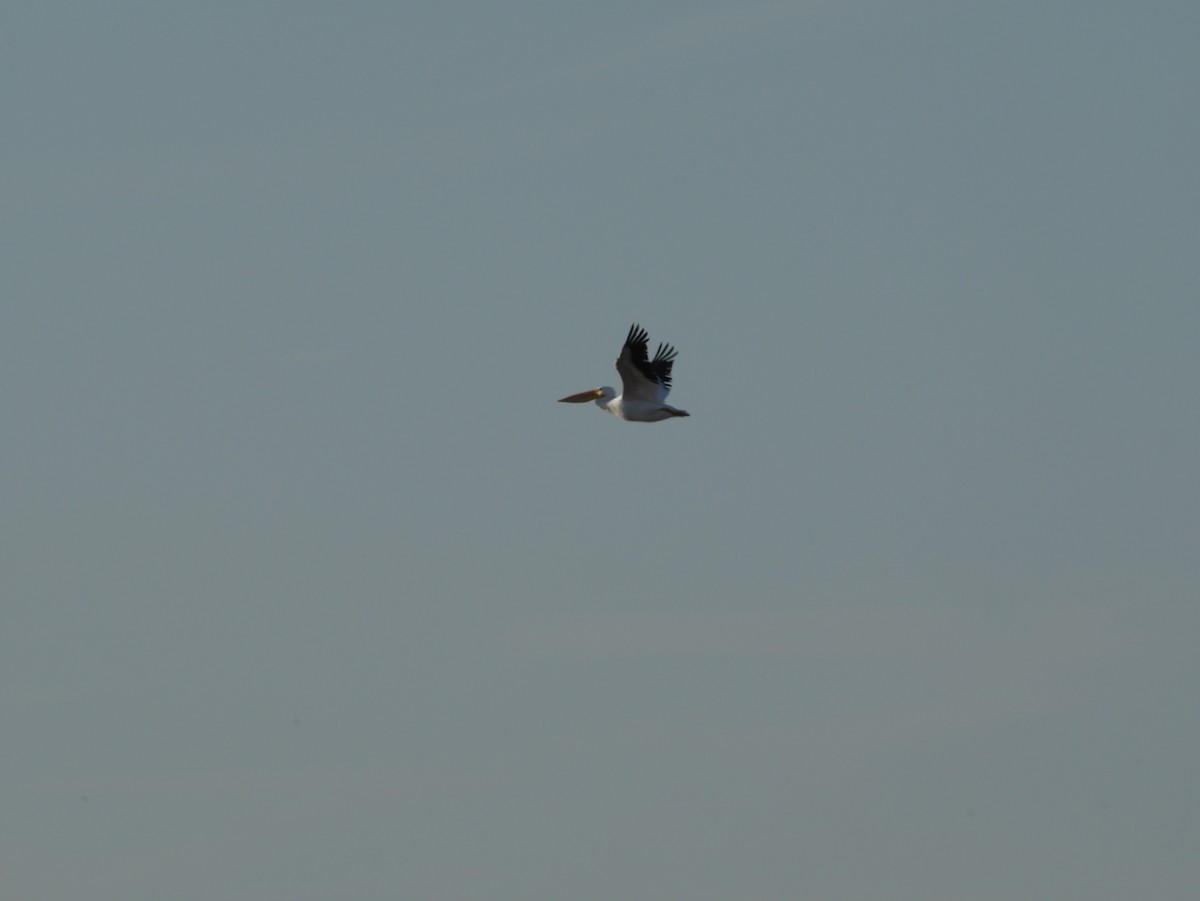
pixel 312 591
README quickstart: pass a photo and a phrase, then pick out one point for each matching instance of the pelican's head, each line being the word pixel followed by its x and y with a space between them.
pixel 597 394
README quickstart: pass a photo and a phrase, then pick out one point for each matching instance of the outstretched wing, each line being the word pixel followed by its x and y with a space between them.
pixel 641 377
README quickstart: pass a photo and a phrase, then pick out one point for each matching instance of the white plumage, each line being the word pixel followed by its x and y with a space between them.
pixel 644 383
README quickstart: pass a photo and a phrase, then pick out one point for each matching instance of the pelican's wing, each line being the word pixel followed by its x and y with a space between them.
pixel 641 377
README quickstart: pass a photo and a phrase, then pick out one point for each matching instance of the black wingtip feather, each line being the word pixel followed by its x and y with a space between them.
pixel 658 369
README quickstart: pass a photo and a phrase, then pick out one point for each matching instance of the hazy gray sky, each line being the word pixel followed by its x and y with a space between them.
pixel 311 591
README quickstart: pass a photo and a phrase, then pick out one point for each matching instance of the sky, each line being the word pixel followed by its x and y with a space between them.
pixel 309 589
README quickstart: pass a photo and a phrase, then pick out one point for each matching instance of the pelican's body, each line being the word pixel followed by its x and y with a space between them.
pixel 644 382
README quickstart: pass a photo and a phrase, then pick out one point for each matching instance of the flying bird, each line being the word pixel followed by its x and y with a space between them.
pixel 644 383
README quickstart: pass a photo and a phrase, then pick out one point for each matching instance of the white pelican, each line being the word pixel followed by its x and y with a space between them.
pixel 644 383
